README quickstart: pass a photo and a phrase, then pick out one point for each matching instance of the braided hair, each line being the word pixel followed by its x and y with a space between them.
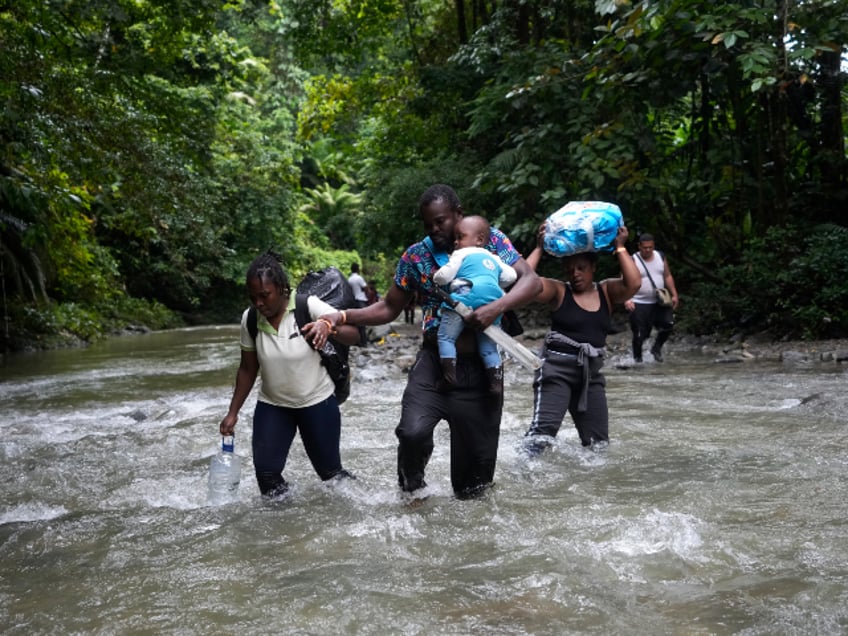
pixel 269 267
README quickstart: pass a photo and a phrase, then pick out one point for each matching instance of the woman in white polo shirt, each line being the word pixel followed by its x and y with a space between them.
pixel 297 393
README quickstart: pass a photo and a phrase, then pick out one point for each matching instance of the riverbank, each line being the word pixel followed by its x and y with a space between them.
pixel 397 343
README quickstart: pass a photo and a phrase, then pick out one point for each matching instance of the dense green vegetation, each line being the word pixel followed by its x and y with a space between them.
pixel 151 148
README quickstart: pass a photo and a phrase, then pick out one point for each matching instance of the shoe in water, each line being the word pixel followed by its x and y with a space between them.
pixel 475 492
pixel 416 498
pixel 658 357
pixel 535 445
pixel 342 475
pixel 599 446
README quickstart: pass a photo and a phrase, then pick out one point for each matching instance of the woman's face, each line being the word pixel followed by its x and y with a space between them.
pixel 269 300
pixel 580 271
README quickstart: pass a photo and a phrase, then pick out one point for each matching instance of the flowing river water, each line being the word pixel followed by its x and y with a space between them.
pixel 718 508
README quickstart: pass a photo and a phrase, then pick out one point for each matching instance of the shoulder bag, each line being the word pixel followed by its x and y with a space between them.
pixel 663 295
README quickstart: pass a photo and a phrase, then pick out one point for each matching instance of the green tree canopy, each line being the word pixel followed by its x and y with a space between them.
pixel 153 148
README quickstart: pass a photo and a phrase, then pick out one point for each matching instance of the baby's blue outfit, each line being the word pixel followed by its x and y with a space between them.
pixel 477 276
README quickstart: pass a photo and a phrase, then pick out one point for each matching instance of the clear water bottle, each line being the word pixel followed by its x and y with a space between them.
pixel 224 473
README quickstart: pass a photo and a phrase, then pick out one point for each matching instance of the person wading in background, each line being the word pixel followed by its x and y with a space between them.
pixel 359 287
pixel 645 312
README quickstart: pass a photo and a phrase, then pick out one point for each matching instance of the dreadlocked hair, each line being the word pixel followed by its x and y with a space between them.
pixel 269 267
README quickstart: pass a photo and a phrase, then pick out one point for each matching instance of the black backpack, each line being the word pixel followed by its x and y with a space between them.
pixel 331 286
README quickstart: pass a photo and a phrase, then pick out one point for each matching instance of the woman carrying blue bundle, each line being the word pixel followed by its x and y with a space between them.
pixel 570 377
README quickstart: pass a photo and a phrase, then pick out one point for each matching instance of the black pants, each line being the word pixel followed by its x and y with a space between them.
pixel 473 415
pixel 274 429
pixel 645 317
pixel 556 389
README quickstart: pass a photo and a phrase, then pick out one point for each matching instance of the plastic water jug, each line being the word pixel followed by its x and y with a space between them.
pixel 224 473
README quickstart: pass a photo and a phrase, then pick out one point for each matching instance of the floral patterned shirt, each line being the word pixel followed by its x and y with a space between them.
pixel 419 261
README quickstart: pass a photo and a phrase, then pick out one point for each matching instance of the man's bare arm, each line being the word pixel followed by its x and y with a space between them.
pixel 383 311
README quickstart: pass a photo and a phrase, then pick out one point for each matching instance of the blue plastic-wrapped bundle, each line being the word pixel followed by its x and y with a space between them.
pixel 582 226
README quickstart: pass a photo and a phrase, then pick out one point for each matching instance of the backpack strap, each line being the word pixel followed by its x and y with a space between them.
pixel 301 310
pixel 645 267
pixel 439 256
pixel 252 325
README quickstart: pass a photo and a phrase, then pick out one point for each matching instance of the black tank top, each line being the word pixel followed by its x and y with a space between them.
pixel 571 320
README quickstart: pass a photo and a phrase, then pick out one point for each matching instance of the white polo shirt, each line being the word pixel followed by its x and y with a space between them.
pixel 290 370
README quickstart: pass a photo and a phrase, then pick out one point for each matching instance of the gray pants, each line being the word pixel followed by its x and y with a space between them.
pixel 557 387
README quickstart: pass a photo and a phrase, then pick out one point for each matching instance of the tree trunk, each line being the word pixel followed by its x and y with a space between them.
pixel 833 165
pixel 778 120
pixel 461 26
pixel 479 14
pixel 777 123
pixel 521 30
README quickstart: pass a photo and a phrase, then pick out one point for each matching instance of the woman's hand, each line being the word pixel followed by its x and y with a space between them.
pixel 540 235
pixel 228 424
pixel 622 236
pixel 535 256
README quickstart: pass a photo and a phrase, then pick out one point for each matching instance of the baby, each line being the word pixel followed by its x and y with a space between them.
pixel 476 277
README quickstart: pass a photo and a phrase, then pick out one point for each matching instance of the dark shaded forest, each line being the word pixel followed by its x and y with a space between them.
pixel 152 148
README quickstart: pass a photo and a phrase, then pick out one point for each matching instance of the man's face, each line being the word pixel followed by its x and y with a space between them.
pixel 439 221
pixel 646 249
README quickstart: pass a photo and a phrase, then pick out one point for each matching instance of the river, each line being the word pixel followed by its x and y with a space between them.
pixel 718 508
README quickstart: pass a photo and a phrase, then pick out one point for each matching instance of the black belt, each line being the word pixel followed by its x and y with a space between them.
pixel 561 348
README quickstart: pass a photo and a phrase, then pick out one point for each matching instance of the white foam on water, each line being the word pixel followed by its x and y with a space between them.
pixel 31 512
pixel 387 529
pixel 658 531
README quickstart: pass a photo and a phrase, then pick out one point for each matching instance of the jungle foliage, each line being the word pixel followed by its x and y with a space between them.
pixel 152 148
